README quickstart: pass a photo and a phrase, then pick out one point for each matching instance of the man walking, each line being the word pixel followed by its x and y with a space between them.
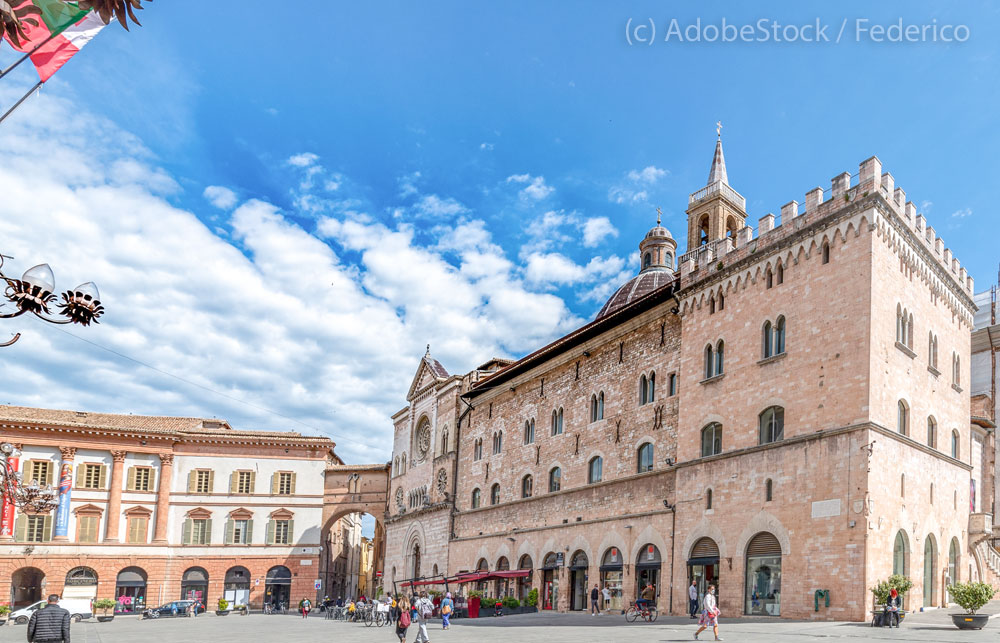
pixel 49 624
pixel 693 598
pixel 595 607
pixel 425 609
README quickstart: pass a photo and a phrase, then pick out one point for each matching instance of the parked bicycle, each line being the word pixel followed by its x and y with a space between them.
pixel 648 613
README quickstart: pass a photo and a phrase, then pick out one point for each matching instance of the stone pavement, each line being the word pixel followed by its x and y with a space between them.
pixel 934 625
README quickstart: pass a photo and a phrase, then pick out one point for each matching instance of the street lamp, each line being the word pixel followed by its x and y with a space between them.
pixel 32 497
pixel 33 293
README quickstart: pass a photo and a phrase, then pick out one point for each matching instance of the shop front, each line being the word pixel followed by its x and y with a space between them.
pixel 278 586
pixel 763 582
pixel 81 582
pixel 236 588
pixel 194 585
pixel 550 581
pixel 647 569
pixel 130 591
pixel 524 582
pixel 703 566
pixel 612 579
pixel 578 581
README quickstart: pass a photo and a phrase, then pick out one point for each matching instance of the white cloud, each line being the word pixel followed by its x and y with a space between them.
pixel 648 174
pixel 597 230
pixel 535 189
pixel 634 189
pixel 925 206
pixel 557 269
pixel 304 159
pixel 408 184
pixel 486 147
pixel 219 196
pixel 961 214
pixel 432 205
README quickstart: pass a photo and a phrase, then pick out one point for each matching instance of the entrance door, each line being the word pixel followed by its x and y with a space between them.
pixel 578 581
pixel 550 589
pixel 928 572
pixel 26 585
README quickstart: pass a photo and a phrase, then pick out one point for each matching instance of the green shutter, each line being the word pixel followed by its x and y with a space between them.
pixel 21 528
pixel 228 538
pixel 192 481
pixel 249 538
pixel 291 531
pixel 152 479
pixel 130 483
pixel 211 480
pixel 292 489
pixel 186 532
pixel 51 469
pixel 268 540
pixel 234 482
pixel 253 481
pixel 80 471
pixel 275 480
pixel 102 484
pixel 47 528
pixel 208 531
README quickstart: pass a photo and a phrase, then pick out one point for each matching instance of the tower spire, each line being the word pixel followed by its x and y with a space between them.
pixel 718 172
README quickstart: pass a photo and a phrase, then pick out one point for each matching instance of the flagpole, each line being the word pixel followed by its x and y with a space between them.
pixel 28 54
pixel 23 98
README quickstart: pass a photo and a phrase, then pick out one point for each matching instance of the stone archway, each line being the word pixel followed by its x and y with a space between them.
pixel 348 490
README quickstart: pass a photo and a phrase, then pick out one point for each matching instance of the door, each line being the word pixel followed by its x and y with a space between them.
pixel 928 572
pixel 578 583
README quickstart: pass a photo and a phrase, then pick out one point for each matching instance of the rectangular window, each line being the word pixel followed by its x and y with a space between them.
pixel 143 476
pixel 240 532
pixel 284 484
pixel 281 535
pixel 86 531
pixel 203 481
pixel 199 531
pixel 672 384
pixel 137 529
pixel 91 476
pixel 40 471
pixel 244 482
pixel 35 529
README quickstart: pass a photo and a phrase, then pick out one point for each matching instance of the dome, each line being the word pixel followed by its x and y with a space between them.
pixel 659 232
pixel 642 284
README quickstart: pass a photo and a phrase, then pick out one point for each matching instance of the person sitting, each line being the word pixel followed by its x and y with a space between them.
pixel 891 610
pixel 647 595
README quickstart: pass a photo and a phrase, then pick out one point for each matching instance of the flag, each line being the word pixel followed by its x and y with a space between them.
pixel 65 27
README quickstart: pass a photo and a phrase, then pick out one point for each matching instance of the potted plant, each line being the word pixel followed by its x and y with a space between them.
pixel 881 591
pixel 242 609
pixel 105 605
pixel 4 614
pixel 970 597
pixel 223 607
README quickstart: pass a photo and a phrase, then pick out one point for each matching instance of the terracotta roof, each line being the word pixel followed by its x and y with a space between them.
pixel 435 367
pixel 637 287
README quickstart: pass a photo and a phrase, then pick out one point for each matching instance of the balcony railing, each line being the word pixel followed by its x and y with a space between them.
pixel 715 188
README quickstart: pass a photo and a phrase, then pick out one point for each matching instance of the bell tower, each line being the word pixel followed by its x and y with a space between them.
pixel 716 211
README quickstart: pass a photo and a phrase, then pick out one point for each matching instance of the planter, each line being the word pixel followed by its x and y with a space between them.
pixel 222 612
pixel 970 621
pixel 105 618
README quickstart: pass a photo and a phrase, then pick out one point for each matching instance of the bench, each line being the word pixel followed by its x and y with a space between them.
pixel 878 616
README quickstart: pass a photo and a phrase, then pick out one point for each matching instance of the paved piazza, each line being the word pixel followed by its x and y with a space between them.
pixel 547 628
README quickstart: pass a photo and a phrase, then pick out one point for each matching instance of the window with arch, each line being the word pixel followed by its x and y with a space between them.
pixel 672 384
pixel 477 449
pixel 495 493
pixel 703 230
pixel 722 301
pixel 779 274
pixel 931 432
pixel 645 457
pixel 900 554
pixel 647 388
pixel 932 348
pixel 954 444
pixel 708 499
pixel 597 407
pixel 720 350
pixel 767 339
pixel 497 442
pixel 903 417
pixel 956 370
pixel 595 469
pixel 826 252
pixel 709 361
pixel 475 498
pixel 647 260
pixel 902 485
pixel 711 304
pixel 769 278
pixel 557 421
pixel 711 439
pixel 953 561
pixel 529 431
pixel 904 326
pixel 555 479
pixel 932 493
pixel 779 335
pixel 669 260
pixel 768 490
pixel 773 337
pixel 402 464
pixel 772 424
pixel 444 439
pixel 527 483
pixel 731 228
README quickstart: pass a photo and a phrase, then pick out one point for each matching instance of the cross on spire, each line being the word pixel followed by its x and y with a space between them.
pixel 718 128
pixel 659 213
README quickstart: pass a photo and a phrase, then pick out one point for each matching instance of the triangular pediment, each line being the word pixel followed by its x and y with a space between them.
pixel 429 372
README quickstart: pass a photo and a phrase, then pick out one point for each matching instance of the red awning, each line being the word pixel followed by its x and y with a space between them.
pixel 513 573
pixel 469 578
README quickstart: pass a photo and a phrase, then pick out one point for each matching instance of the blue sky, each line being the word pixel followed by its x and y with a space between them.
pixel 287 208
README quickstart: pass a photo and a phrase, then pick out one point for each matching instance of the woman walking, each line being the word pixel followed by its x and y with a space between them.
pixel 304 606
pixel 709 614
pixel 447 607
pixel 402 617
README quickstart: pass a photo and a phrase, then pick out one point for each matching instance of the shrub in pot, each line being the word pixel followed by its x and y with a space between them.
pixel 533 597
pixel 223 607
pixel 105 605
pixel 4 613
pixel 971 597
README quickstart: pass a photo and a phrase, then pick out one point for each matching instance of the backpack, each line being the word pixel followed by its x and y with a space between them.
pixel 425 608
pixel 404 619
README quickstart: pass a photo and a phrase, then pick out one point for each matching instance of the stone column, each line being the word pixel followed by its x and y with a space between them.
pixel 115 498
pixel 64 487
pixel 163 498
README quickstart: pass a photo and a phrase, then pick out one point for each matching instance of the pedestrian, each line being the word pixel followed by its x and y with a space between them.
pixel 607 597
pixel 595 609
pixel 693 598
pixel 304 606
pixel 402 618
pixel 447 607
pixel 709 614
pixel 891 611
pixel 424 609
pixel 51 623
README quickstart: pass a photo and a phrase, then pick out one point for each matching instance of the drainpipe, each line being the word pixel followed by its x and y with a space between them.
pixel 673 525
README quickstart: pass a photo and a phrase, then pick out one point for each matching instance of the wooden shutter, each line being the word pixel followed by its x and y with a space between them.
pixel 268 540
pixel 249 538
pixel 764 544
pixel 253 481
pixel 81 471
pixel 152 479
pixel 186 532
pixel 208 531
pixel 705 548
pixel 192 481
pixel 211 480
pixel 130 482
pixel 104 477
pixel 234 482
pixel 228 538
pixel 49 470
pixel 21 528
pixel 291 489
pixel 275 482
pixel 291 530
pixel 47 528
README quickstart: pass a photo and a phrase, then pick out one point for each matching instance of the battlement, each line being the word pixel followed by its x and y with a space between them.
pixel 845 189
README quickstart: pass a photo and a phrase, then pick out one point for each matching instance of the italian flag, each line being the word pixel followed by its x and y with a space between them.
pixel 62 31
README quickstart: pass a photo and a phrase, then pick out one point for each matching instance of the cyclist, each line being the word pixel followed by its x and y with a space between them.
pixel 645 597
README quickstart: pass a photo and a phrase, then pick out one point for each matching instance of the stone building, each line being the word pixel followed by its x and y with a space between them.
pixel 775 411
pixel 161 508
pixel 983 389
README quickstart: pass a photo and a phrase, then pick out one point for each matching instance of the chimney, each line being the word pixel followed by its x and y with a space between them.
pixel 814 197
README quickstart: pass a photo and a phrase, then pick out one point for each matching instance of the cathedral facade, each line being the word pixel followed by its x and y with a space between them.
pixel 776 411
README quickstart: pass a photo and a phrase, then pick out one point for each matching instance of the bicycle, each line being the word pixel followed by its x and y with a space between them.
pixel 648 613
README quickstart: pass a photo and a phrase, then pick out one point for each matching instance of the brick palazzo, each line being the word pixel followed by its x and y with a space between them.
pixel 776 411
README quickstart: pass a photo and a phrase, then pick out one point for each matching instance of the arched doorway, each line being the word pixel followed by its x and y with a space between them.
pixel 901 557
pixel 503 586
pixel 578 581
pixel 236 588
pixel 26 586
pixel 81 582
pixel 524 582
pixel 930 564
pixel 703 566
pixel 130 591
pixel 278 585
pixel 611 577
pixel 953 562
pixel 194 585
pixel 482 567
pixel 763 581
pixel 647 569
pixel 550 581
